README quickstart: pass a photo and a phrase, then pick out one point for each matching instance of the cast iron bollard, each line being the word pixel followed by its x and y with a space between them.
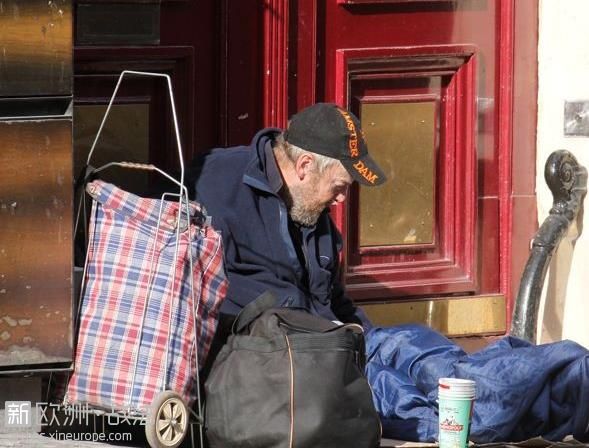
pixel 568 182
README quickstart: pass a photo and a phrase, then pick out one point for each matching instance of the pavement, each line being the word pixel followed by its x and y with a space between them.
pixel 34 440
pixel 38 424
pixel 96 433
pixel 74 436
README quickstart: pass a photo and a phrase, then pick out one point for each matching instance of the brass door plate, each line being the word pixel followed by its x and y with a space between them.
pixel 456 316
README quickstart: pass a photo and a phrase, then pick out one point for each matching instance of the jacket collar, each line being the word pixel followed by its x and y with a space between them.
pixel 262 171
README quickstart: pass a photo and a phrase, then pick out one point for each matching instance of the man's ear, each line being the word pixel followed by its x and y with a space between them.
pixel 304 165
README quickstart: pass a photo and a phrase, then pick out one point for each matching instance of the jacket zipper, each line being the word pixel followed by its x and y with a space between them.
pixel 293 252
pixel 306 254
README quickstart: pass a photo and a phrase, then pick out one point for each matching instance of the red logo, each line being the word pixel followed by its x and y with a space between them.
pixel 451 425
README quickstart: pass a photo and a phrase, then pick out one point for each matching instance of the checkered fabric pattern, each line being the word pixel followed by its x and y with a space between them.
pixel 137 302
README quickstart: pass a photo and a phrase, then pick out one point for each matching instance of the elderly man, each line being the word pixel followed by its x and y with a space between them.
pixel 271 202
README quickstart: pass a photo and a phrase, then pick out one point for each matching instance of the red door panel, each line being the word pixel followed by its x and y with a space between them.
pixel 444 262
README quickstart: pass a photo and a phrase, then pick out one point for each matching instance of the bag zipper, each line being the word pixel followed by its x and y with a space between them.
pixel 282 323
pixel 291 435
pixel 292 327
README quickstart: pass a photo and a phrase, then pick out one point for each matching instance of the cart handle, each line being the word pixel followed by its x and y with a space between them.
pixel 141 166
pixel 174 115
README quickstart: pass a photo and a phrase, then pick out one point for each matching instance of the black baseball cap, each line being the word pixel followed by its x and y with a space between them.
pixel 327 129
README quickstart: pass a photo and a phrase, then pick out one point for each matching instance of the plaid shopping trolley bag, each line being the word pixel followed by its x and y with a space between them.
pixel 150 304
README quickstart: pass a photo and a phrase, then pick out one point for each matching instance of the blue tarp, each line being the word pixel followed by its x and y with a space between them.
pixel 523 390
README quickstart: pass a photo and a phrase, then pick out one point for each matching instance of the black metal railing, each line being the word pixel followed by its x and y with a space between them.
pixel 568 182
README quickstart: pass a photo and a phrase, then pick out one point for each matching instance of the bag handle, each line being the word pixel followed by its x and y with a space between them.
pixel 252 310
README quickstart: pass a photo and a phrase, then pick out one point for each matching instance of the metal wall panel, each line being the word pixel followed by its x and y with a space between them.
pixel 118 23
pixel 35 47
pixel 35 241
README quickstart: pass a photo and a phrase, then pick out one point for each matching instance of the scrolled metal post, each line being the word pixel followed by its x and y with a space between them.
pixel 567 181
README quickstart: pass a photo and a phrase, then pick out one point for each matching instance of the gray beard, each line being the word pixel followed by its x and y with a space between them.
pixel 299 210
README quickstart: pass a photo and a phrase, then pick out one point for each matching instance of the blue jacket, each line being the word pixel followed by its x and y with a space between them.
pixel 239 188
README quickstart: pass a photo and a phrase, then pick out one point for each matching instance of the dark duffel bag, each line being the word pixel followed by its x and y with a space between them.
pixel 287 379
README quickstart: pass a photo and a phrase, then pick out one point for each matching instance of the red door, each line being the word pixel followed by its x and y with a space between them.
pixel 445 91
pixel 435 84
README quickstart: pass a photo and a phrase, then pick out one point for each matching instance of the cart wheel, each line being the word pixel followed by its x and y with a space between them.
pixel 167 421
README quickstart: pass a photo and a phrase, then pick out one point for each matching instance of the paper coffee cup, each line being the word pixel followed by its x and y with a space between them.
pixel 455 400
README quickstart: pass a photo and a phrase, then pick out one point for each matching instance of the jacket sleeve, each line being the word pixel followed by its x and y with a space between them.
pixel 341 305
pixel 345 310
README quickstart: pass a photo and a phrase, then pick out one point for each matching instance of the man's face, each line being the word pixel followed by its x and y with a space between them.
pixel 316 192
